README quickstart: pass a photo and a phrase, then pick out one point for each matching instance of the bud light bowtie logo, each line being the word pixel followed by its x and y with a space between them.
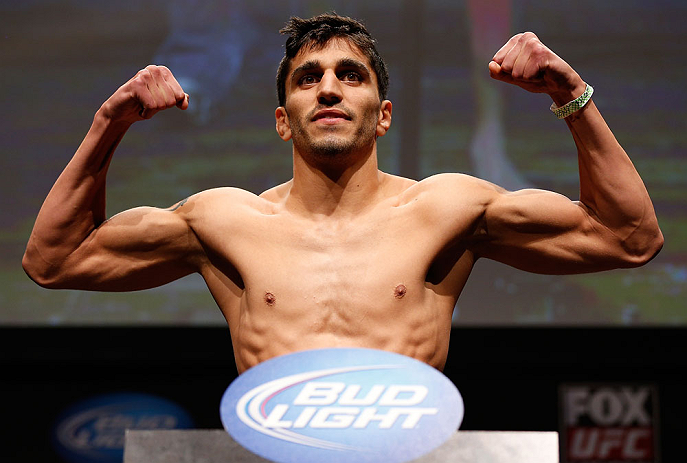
pixel 341 405
pixel 92 431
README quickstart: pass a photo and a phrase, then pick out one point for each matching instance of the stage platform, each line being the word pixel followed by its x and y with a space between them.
pixel 216 446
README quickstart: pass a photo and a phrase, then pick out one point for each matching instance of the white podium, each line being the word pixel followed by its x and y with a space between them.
pixel 215 446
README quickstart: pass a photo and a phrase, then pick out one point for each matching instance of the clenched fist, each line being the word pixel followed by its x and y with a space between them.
pixel 526 62
pixel 151 90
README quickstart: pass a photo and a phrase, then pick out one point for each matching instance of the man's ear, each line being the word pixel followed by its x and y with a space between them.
pixel 384 120
pixel 283 125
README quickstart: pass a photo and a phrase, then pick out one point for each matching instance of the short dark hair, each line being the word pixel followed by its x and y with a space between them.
pixel 316 32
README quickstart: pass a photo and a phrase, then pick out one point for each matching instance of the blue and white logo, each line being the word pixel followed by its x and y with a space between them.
pixel 92 431
pixel 341 406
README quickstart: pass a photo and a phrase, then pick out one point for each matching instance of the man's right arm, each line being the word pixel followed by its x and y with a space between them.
pixel 72 245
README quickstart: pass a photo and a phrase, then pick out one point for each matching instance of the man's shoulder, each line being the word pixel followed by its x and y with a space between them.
pixel 452 187
pixel 224 200
pixel 453 178
pixel 221 194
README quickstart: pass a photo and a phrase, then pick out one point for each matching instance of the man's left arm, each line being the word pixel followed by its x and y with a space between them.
pixel 613 224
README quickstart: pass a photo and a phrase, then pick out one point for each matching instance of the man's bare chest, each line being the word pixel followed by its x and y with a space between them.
pixel 336 256
pixel 385 253
pixel 325 255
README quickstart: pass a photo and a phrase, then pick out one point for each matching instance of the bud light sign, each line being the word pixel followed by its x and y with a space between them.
pixel 341 405
pixel 92 431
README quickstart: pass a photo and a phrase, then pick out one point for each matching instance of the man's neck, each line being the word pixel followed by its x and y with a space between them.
pixel 334 189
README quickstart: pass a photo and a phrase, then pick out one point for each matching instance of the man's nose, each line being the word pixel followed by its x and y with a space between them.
pixel 329 90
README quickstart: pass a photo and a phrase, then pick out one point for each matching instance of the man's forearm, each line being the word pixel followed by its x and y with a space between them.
pixel 84 177
pixel 610 187
pixel 75 205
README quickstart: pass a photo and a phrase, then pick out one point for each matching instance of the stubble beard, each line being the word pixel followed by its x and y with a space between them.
pixel 334 146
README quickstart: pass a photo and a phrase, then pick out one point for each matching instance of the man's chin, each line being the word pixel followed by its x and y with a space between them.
pixel 332 147
pixel 331 151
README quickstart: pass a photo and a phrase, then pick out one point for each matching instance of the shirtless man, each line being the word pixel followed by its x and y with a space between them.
pixel 343 254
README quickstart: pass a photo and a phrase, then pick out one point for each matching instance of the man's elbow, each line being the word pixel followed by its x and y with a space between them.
pixel 644 250
pixel 40 272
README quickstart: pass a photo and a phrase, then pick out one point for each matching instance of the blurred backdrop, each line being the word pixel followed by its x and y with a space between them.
pixel 62 59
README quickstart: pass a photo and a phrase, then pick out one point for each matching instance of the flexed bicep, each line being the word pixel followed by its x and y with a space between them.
pixel 71 244
pixel 136 249
pixel 614 225
pixel 544 232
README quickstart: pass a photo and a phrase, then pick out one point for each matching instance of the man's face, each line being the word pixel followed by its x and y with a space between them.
pixel 332 103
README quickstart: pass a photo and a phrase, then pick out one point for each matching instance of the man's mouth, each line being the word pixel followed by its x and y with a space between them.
pixel 331 116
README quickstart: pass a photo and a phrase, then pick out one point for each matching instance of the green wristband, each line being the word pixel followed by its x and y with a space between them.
pixel 576 104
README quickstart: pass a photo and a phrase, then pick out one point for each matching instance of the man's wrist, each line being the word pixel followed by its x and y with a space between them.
pixel 561 97
pixel 103 117
pixel 573 106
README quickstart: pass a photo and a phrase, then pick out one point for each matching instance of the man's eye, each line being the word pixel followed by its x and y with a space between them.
pixel 351 76
pixel 308 80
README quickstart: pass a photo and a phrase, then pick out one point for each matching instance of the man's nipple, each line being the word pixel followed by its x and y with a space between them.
pixel 399 291
pixel 270 299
